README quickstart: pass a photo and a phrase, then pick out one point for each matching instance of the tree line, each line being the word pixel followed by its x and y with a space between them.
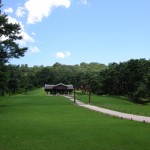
pixel 130 79
pixel 21 78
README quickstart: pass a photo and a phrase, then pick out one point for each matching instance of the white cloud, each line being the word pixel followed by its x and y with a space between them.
pixel 24 34
pixel 20 11
pixel 37 9
pixel 8 10
pixel 12 20
pixel 60 55
pixel 27 37
pixel 34 49
pixel 63 54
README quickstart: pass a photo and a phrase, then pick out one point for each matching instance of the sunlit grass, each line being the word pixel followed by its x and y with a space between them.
pixel 54 123
pixel 36 92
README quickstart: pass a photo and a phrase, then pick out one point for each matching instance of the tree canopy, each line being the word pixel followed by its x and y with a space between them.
pixel 130 79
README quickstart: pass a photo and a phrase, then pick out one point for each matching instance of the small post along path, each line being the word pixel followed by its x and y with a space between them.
pixel 111 112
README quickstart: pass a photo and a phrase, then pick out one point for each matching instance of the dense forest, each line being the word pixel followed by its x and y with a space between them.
pixel 130 79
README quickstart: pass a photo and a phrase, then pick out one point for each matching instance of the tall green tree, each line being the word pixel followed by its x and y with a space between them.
pixel 9 35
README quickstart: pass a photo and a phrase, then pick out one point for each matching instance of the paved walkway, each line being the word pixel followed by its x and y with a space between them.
pixel 112 112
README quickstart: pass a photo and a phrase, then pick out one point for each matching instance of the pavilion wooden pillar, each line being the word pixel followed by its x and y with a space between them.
pixel 89 90
pixel 89 97
pixel 74 91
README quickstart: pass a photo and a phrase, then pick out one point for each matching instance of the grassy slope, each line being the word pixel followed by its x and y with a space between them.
pixel 116 103
pixel 53 123
pixel 37 92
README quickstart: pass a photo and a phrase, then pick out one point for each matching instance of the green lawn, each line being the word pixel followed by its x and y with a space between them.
pixel 34 122
pixel 116 103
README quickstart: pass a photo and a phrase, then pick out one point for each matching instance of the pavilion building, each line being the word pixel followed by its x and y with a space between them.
pixel 58 89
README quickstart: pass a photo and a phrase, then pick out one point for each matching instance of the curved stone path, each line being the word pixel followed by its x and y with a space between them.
pixel 112 112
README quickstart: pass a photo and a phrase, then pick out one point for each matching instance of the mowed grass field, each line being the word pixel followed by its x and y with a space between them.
pixel 38 122
pixel 116 103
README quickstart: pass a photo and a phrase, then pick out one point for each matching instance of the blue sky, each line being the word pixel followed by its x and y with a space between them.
pixel 75 31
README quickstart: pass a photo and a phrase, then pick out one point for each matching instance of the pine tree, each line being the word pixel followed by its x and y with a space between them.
pixel 9 35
